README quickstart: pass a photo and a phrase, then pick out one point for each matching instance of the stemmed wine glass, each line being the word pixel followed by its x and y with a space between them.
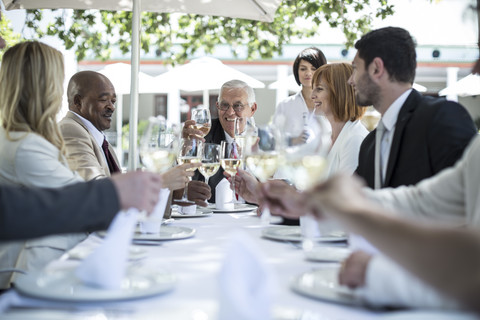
pixel 158 149
pixel 190 152
pixel 159 144
pixel 231 156
pixel 262 158
pixel 210 160
pixel 203 120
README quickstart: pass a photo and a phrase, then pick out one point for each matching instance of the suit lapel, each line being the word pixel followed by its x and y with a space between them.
pixel 404 115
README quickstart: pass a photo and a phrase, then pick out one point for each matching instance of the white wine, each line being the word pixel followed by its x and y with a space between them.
pixel 157 160
pixel 308 171
pixel 263 166
pixel 205 129
pixel 182 160
pixel 231 165
pixel 208 169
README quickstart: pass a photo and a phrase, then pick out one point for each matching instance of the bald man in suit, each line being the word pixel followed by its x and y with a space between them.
pixel 91 101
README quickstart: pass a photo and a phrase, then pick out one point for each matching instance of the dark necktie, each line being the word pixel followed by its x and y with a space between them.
pixel 112 165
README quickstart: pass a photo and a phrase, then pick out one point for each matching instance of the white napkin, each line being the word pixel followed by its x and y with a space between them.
pixel 154 221
pixel 106 266
pixel 246 283
pixel 224 195
pixel 309 227
pixel 188 209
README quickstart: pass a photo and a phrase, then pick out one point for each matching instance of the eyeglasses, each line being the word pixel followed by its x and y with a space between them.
pixel 237 107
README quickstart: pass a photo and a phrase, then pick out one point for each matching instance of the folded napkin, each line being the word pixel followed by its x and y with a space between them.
pixel 106 266
pixel 188 209
pixel 309 227
pixel 246 283
pixel 154 221
pixel 224 195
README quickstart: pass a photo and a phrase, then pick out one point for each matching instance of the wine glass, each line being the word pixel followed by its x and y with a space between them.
pixel 159 144
pixel 203 120
pixel 190 152
pixel 245 131
pixel 262 158
pixel 231 156
pixel 210 160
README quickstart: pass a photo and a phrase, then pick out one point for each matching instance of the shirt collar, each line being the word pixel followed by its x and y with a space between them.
pixel 97 135
pixel 227 137
pixel 390 116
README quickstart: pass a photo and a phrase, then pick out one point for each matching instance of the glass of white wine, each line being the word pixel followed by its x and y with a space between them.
pixel 159 144
pixel 231 156
pixel 262 158
pixel 203 120
pixel 210 160
pixel 190 152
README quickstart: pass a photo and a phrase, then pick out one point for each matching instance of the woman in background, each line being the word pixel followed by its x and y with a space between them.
pixel 291 114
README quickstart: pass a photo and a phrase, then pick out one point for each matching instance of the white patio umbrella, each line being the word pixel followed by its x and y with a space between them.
pixel 204 74
pixel 262 10
pixel 468 86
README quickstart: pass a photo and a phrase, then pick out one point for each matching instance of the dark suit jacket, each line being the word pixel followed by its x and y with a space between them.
pixel 216 135
pixel 430 135
pixel 34 212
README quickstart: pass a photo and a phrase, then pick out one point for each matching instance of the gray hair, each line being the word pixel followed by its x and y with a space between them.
pixel 238 84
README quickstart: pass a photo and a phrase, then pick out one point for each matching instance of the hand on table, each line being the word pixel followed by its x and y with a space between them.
pixel 189 132
pixel 354 269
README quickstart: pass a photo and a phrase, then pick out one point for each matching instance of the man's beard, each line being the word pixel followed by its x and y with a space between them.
pixel 367 93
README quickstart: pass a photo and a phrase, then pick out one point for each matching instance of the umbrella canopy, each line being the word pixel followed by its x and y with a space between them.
pixel 468 86
pixel 120 76
pixel 204 74
pixel 262 10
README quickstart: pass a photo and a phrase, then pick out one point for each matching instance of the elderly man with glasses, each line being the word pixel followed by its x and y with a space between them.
pixel 236 100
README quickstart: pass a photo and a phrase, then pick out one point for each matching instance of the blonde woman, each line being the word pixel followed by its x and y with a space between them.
pixel 31 90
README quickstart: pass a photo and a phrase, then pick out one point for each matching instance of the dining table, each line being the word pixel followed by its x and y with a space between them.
pixel 196 262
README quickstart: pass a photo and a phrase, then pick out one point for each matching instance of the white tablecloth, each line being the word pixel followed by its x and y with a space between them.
pixel 196 262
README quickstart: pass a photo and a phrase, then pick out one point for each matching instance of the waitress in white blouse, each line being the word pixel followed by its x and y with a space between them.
pixel 289 114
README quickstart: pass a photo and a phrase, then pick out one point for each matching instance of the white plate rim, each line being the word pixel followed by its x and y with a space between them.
pixel 269 234
pixel 245 208
pixel 198 214
pixel 324 293
pixel 27 284
pixel 186 232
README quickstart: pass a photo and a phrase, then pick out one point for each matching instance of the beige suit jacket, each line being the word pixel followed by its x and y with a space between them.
pixel 83 153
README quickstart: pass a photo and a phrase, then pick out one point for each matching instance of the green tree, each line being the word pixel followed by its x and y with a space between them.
pixel 92 32
pixel 10 37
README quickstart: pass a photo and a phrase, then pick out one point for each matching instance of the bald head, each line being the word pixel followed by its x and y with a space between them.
pixel 92 96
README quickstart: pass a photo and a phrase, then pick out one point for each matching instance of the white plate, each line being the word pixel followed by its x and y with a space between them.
pixel 327 254
pixel 166 233
pixel 239 207
pixel 199 213
pixel 323 284
pixel 65 286
pixel 80 253
pixel 293 233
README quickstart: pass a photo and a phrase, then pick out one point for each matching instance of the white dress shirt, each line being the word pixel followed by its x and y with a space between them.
pixel 389 120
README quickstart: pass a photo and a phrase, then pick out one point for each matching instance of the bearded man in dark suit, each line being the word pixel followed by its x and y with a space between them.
pixel 417 136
